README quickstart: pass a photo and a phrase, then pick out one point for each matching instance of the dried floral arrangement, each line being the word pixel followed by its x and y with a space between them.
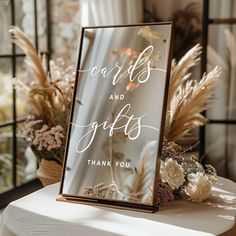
pixel 181 175
pixel 49 95
pixel 187 97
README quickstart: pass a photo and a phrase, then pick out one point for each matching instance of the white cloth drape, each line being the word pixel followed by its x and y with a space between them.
pixel 111 12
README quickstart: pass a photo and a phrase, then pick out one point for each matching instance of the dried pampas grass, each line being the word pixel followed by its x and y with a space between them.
pixel 180 71
pixel 33 59
pixel 48 93
pixel 189 100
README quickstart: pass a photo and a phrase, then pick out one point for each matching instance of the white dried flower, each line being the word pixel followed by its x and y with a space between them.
pixel 48 138
pixel 199 187
pixel 29 127
pixel 172 173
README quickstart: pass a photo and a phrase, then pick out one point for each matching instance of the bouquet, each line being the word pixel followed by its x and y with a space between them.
pixel 48 96
pixel 187 99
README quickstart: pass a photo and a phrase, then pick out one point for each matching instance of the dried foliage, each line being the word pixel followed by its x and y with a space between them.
pixel 48 93
pixel 101 191
pixel 148 34
pixel 33 59
pixel 49 96
pixel 187 97
pixel 164 194
pixel 180 71
pixel 196 176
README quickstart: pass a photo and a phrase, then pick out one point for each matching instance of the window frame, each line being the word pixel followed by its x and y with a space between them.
pixel 20 190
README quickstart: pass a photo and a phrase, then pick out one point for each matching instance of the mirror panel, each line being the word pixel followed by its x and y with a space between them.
pixel 115 132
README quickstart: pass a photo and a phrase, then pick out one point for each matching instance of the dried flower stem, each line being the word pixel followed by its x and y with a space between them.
pixel 33 60
pixel 188 103
pixel 179 72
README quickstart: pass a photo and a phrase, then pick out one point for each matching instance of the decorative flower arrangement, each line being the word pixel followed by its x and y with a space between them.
pixel 187 99
pixel 185 176
pixel 50 98
pixel 172 173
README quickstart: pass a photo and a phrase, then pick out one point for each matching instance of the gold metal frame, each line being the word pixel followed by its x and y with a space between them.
pixel 117 203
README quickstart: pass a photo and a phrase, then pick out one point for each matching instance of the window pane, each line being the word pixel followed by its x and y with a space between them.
pixel 26 21
pixel 24 18
pixel 5 19
pixel 18 12
pixel 19 18
pixel 5 90
pixel 65 29
pixel 221 151
pixel 42 25
pixel 5 158
pixel 221 52
pixel 222 9
pixel 26 160
pixel 21 98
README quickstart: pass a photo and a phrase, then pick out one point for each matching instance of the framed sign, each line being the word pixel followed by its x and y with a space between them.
pixel 117 118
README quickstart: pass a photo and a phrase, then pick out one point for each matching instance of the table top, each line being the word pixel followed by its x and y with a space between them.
pixel 40 214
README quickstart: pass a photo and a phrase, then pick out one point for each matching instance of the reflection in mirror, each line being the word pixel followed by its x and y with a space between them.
pixel 117 118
